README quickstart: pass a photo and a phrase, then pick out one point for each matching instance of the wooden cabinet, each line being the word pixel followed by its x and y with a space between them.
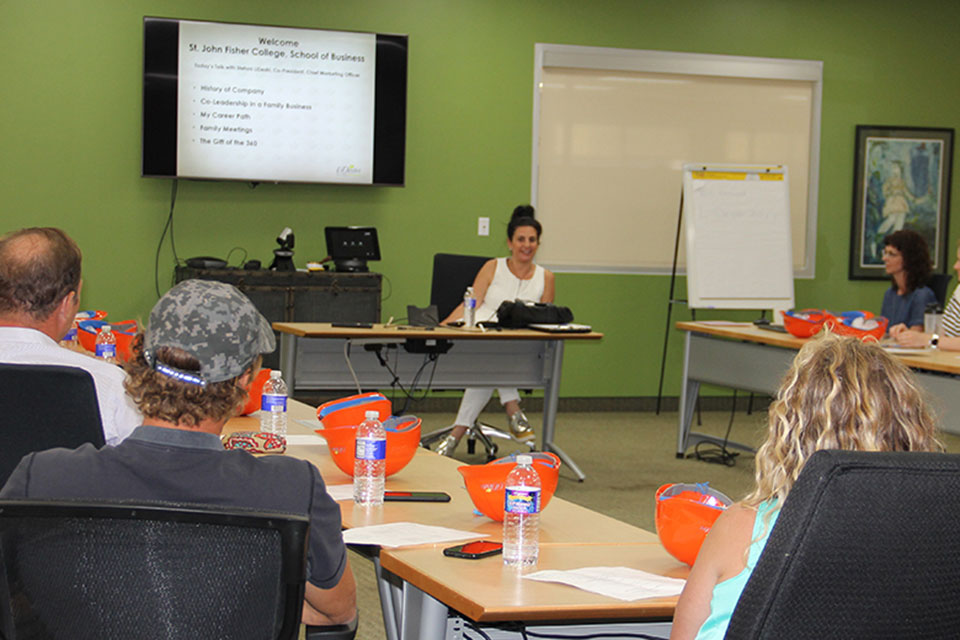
pixel 294 296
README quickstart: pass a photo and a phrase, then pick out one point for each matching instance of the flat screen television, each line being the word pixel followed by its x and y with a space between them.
pixel 258 103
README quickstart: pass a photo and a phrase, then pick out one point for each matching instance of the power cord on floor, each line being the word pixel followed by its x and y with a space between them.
pixel 719 454
pixel 525 633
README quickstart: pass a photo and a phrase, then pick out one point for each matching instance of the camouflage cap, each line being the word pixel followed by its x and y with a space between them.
pixel 215 323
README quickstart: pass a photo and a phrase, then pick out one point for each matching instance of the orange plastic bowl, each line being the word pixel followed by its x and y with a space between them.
pixel 255 392
pixel 844 326
pixel 90 315
pixel 124 331
pixel 351 411
pixel 805 323
pixel 485 482
pixel 403 439
pixel 685 513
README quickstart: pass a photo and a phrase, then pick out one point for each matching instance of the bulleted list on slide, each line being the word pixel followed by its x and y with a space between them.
pixel 266 102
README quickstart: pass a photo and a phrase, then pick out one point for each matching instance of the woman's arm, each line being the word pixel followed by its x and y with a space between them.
pixel 480 285
pixel 548 286
pixel 918 339
pixel 722 556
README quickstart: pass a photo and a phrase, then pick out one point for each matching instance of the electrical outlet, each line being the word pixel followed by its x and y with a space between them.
pixel 483 226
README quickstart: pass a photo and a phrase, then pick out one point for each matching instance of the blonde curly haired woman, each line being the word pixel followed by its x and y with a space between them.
pixel 839 394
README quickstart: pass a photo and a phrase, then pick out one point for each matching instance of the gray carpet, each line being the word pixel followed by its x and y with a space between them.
pixel 626 456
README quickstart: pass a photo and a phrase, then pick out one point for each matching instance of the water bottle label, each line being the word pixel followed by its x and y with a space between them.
pixel 521 500
pixel 270 402
pixel 371 449
pixel 471 303
pixel 106 351
pixel 71 335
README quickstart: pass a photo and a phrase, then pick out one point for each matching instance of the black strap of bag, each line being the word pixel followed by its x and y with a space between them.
pixel 516 314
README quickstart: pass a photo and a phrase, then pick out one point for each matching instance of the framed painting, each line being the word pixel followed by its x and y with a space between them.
pixel 901 180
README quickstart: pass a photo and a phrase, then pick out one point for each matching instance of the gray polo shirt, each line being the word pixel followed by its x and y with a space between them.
pixel 190 467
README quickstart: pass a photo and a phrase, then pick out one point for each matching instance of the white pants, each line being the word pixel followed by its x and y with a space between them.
pixel 474 400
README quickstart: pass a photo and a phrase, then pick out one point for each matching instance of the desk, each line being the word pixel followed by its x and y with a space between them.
pixel 419 586
pixel 744 357
pixel 314 356
pixel 429 585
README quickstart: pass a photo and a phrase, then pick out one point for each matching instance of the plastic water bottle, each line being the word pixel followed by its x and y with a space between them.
pixel 933 318
pixel 369 461
pixel 273 405
pixel 71 338
pixel 106 344
pixel 521 517
pixel 469 308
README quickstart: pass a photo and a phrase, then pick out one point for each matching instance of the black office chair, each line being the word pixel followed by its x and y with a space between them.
pixel 863 548
pixel 97 570
pixel 939 283
pixel 452 274
pixel 45 406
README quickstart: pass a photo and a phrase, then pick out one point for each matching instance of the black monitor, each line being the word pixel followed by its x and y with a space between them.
pixel 351 247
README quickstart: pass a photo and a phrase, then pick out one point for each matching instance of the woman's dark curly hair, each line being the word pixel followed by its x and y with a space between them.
pixel 916 256
pixel 161 397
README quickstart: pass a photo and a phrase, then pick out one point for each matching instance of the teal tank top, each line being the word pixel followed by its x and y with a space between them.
pixel 727 593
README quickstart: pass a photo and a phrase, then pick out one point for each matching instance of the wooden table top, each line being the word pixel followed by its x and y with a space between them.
pixel 401 332
pixel 921 359
pixel 560 522
pixel 571 536
pixel 498 593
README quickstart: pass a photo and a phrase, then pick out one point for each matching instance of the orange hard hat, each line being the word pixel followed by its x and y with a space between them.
pixel 485 482
pixel 685 513
pixel 255 392
pixel 403 440
pixel 350 411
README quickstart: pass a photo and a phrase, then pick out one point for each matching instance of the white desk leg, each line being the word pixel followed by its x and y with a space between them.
pixel 689 390
pixel 390 600
pixel 424 617
pixel 288 360
pixel 551 395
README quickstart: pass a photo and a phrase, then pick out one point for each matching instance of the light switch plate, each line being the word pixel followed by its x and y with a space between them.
pixel 483 226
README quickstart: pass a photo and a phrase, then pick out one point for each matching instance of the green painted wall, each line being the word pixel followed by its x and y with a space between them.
pixel 70 118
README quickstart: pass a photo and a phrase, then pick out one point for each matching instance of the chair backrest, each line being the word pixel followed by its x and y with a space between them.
pixel 452 274
pixel 96 570
pixel 939 282
pixel 45 406
pixel 863 548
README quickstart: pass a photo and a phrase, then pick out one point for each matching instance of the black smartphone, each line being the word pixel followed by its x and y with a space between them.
pixel 474 550
pixel 352 325
pixel 415 496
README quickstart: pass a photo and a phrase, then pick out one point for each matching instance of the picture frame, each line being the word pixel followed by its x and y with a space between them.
pixel 901 180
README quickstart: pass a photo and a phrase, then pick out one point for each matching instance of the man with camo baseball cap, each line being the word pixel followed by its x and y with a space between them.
pixel 214 323
pixel 188 375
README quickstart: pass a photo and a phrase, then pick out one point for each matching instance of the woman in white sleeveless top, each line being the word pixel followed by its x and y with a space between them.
pixel 514 278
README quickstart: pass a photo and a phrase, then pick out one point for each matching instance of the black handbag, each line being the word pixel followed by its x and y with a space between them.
pixel 516 314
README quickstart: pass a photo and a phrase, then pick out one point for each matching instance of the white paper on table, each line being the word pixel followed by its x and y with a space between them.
pixel 305 439
pixel 621 583
pixel 400 534
pixel 340 491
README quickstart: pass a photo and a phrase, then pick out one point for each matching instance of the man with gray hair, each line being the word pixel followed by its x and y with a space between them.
pixel 188 375
pixel 39 298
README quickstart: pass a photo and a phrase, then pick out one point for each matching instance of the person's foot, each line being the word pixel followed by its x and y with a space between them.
pixel 448 445
pixel 520 427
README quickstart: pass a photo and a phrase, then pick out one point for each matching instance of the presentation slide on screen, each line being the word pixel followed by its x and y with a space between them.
pixel 270 103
